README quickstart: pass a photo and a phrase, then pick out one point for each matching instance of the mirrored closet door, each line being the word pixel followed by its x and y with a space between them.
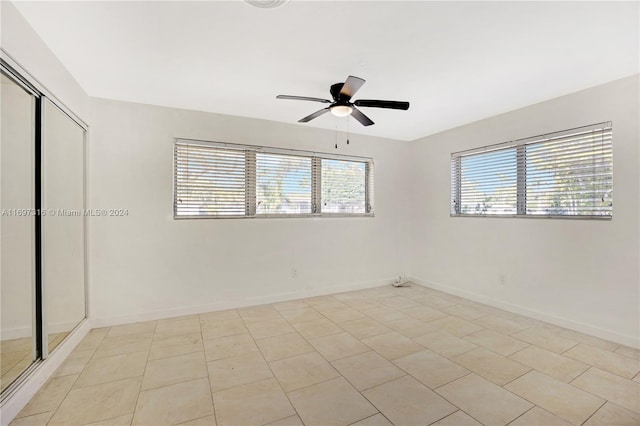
pixel 18 346
pixel 63 267
pixel 42 228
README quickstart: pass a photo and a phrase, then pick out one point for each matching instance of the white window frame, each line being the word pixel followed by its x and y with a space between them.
pixel 521 195
pixel 250 191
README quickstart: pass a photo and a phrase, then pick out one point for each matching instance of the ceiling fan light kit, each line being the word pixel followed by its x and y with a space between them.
pixel 341 110
pixel 342 105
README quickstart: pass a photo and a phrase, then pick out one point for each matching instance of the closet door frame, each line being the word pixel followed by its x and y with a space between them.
pixel 43 219
pixel 36 299
pixel 23 78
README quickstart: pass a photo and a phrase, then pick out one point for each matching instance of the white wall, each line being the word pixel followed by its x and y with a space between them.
pixel 148 264
pixel 580 273
pixel 24 46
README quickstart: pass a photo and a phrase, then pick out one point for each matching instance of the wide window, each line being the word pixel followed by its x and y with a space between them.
pixel 219 180
pixel 562 174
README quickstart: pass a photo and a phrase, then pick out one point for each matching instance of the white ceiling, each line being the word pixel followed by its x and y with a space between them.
pixel 456 62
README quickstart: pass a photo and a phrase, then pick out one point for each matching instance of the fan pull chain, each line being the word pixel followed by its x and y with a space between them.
pixel 348 121
pixel 336 141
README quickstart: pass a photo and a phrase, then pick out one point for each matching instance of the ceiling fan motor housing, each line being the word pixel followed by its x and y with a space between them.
pixel 341 99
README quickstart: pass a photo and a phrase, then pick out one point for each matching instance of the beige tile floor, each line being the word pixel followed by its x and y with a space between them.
pixel 402 356
pixel 16 355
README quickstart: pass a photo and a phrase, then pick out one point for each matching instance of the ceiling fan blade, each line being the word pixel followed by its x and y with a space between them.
pixel 363 119
pixel 351 86
pixel 314 115
pixel 303 98
pixel 372 103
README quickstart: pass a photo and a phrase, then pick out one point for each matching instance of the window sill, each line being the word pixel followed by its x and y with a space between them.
pixel 279 216
pixel 533 216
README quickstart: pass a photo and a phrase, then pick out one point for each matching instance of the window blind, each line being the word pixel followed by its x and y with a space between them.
pixel 209 180
pixel 283 184
pixel 343 186
pixel 487 182
pixel 570 174
pixel 561 174
pixel 214 179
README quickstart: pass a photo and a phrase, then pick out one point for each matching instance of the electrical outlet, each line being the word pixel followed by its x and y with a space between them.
pixel 294 273
pixel 503 279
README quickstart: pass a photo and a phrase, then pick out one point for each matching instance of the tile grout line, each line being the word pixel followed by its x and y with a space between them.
pixel 450 381
pixel 450 414
pixel 368 417
pixel 581 374
pixel 397 378
pixel 523 374
pixel 340 376
pixel 593 394
pixel 592 414
pixel 189 421
pixel 105 420
pixel 368 400
pixel 381 383
pixel 435 390
pixel 507 390
pixel 603 369
pixel 441 354
pixel 518 351
pixel 486 378
pixel 118 355
pixel 368 336
pixel 562 353
pixel 534 406
pixel 276 378
pixel 478 420
pixel 493 351
pixel 55 411
pixel 569 384
pixel 206 366
pixel 633 357
pixel 135 407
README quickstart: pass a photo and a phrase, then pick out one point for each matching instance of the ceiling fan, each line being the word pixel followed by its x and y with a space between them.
pixel 342 105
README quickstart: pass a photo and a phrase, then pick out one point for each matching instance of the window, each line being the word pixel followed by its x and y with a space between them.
pixel 488 182
pixel 562 174
pixel 283 184
pixel 209 181
pixel 344 186
pixel 219 180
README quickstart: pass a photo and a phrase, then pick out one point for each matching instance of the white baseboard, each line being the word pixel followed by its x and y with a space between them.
pixel 36 378
pixel 16 333
pixel 20 332
pixel 61 327
pixel 611 335
pixel 236 303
